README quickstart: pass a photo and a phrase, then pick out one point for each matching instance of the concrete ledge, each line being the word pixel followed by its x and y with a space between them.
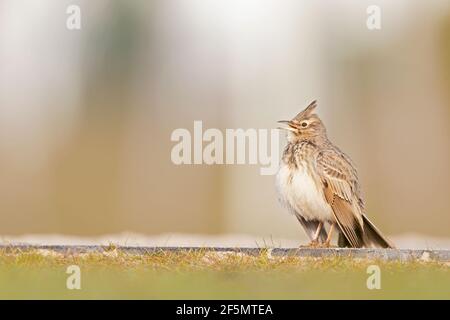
pixel 383 254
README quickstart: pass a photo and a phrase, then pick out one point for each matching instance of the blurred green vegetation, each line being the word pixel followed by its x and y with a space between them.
pixel 207 275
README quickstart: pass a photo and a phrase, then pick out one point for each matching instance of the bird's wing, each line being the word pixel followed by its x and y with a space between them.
pixel 340 187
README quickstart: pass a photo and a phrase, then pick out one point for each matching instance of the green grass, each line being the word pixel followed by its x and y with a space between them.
pixel 208 275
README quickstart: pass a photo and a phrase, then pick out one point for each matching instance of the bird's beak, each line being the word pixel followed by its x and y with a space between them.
pixel 289 127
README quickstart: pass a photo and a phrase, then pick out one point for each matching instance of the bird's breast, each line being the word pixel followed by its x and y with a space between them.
pixel 300 190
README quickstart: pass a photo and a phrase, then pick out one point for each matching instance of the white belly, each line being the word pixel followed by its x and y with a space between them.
pixel 300 193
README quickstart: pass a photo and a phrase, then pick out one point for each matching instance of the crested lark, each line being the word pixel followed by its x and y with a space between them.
pixel 318 183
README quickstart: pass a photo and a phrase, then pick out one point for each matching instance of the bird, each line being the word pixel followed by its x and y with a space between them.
pixel 318 184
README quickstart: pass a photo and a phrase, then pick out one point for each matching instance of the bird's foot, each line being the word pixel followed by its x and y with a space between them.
pixel 312 244
pixel 318 245
pixel 327 244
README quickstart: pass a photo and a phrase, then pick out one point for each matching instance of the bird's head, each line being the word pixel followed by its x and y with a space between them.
pixel 305 125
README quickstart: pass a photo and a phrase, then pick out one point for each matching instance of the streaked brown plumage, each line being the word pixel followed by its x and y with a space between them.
pixel 318 183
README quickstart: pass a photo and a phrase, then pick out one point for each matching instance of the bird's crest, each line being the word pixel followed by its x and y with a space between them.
pixel 307 112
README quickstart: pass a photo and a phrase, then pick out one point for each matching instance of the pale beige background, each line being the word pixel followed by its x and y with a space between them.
pixel 86 116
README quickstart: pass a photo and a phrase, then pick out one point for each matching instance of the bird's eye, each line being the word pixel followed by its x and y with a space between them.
pixel 304 124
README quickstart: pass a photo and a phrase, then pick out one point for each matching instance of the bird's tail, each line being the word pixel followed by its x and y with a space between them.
pixel 372 237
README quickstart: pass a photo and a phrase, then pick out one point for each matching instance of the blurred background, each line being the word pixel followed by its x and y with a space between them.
pixel 86 115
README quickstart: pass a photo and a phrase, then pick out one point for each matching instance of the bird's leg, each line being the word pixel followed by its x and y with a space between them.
pixel 330 232
pixel 315 241
pixel 319 228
